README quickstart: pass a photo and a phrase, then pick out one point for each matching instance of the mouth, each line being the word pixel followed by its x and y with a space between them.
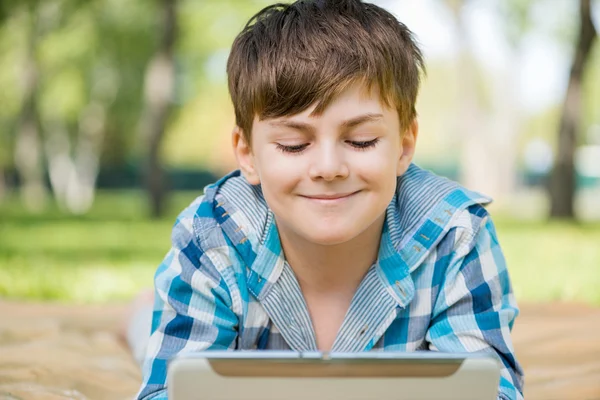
pixel 330 198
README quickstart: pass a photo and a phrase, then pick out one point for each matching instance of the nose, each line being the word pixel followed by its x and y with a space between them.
pixel 328 163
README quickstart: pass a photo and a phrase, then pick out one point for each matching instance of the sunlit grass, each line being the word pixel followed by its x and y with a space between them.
pixel 112 252
pixel 552 261
pixel 107 255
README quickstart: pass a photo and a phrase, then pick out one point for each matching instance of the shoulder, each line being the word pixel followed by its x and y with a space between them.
pixel 434 213
pixel 468 229
pixel 218 202
pixel 225 224
pixel 202 261
pixel 424 190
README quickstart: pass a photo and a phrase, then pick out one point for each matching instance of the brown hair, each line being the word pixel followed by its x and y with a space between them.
pixel 291 56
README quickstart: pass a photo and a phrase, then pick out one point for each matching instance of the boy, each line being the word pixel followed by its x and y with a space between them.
pixel 328 238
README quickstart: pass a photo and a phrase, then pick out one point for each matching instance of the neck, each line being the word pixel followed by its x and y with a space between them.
pixel 328 269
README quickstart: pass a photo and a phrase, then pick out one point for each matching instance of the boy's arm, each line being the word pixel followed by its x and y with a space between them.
pixel 476 308
pixel 192 309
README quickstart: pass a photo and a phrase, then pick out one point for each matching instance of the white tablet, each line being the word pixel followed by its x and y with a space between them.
pixel 276 375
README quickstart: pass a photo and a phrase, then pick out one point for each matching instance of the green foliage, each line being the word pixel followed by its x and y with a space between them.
pixel 112 253
pixel 79 42
pixel 11 92
pixel 517 19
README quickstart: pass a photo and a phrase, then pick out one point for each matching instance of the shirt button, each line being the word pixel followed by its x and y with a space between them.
pixel 400 288
pixel 364 330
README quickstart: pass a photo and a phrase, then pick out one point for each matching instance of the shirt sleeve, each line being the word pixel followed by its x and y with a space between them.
pixel 192 309
pixel 476 308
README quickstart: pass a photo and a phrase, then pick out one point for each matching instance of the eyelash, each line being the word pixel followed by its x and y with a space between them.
pixel 361 146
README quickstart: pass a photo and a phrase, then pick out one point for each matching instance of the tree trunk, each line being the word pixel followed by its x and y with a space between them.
pixel 2 184
pixel 477 170
pixel 158 92
pixel 504 129
pixel 28 151
pixel 57 146
pixel 562 181
pixel 73 177
pixel 82 189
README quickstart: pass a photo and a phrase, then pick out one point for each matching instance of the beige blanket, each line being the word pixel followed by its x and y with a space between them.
pixel 64 352
pixel 52 352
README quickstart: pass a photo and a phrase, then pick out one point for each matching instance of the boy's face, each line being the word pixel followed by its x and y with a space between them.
pixel 328 178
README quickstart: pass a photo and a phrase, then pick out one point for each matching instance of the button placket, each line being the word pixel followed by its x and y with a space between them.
pixel 285 306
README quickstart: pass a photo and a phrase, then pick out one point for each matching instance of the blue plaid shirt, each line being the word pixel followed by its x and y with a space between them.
pixel 440 282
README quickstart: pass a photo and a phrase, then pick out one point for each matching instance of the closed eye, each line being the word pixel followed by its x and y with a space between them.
pixel 292 149
pixel 359 145
pixel 363 145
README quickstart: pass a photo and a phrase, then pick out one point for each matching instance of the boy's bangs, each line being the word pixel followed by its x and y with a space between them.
pixel 303 84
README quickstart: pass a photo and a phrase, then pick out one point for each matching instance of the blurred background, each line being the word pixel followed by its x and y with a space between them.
pixel 114 114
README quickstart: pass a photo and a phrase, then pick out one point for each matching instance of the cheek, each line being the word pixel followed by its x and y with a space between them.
pixel 378 165
pixel 278 174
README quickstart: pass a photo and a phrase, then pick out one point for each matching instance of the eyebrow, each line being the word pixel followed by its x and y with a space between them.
pixel 349 123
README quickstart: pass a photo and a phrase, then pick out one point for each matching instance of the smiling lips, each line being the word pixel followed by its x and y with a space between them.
pixel 331 198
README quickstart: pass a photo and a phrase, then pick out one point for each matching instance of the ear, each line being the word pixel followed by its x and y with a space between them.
pixel 244 156
pixel 407 147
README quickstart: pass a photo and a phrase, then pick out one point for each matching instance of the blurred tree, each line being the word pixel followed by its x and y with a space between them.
pixel 11 26
pixel 496 155
pixel 51 98
pixel 516 24
pixel 87 96
pixel 28 147
pixel 562 182
pixel 127 44
pixel 158 95
pixel 90 98
pixel 203 116
pixel 478 169
pixel 74 134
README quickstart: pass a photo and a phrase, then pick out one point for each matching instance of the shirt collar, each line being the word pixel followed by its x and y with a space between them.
pixel 420 212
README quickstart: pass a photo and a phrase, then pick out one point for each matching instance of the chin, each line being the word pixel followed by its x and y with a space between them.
pixel 330 237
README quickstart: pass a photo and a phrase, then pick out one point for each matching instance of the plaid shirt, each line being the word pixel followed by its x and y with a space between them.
pixel 440 282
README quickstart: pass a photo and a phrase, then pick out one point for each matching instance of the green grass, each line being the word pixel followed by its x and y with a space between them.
pixel 107 255
pixel 111 253
pixel 552 261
